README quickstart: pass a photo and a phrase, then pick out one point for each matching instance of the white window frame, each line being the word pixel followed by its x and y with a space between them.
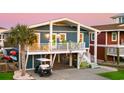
pixel 92 36
pixel 115 37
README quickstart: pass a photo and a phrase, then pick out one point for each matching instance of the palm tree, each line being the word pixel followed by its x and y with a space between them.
pixel 23 36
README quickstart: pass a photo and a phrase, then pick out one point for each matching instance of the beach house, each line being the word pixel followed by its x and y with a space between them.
pixel 60 39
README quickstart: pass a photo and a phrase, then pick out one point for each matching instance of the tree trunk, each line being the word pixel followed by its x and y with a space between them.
pixel 23 60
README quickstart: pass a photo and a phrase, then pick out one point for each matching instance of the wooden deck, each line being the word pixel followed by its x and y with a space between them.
pixel 55 52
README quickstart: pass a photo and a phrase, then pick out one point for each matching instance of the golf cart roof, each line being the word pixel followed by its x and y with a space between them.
pixel 43 59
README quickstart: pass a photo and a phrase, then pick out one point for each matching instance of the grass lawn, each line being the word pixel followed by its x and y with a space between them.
pixel 6 75
pixel 115 75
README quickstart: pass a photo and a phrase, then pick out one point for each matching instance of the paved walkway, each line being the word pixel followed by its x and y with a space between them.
pixel 75 74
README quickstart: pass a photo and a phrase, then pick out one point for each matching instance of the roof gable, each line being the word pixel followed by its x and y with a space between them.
pixel 66 20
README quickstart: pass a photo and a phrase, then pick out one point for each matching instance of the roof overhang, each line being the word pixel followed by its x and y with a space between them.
pixel 4 31
pixel 66 20
pixel 112 30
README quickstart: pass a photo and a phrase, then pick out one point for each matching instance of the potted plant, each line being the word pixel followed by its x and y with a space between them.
pixel 84 64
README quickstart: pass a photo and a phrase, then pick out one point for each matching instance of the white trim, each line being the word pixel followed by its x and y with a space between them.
pixel 40 24
pixel 78 32
pixel 116 46
pixel 112 30
pixel 4 31
pixel 92 36
pixel 55 52
pixel 64 19
pixel 61 31
pixel 112 36
pixel 95 48
pixel 51 32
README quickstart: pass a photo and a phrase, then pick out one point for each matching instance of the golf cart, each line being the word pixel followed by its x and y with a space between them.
pixel 43 69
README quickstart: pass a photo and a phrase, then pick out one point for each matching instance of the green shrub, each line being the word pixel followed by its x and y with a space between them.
pixel 84 65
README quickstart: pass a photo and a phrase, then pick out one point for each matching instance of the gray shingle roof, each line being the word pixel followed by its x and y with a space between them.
pixel 118 15
pixel 2 28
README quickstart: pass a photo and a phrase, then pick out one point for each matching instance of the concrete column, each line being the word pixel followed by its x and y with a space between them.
pixel 51 63
pixel 70 60
pixel 78 33
pixel 78 61
pixel 95 48
pixel 51 31
pixel 118 55
pixel 58 58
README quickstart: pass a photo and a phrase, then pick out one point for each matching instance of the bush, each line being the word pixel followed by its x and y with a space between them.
pixel 84 65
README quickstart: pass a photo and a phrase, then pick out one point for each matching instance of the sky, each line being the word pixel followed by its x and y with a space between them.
pixel 8 20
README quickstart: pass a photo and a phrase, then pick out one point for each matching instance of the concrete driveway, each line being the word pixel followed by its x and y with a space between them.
pixel 75 74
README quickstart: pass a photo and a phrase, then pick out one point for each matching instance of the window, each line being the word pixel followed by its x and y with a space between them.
pixel 62 37
pixel 122 19
pixel 114 36
pixel 92 36
pixel 81 37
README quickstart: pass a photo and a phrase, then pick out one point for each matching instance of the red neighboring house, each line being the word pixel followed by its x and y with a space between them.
pixel 110 41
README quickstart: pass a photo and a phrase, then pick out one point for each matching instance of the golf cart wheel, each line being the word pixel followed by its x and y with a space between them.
pixel 41 75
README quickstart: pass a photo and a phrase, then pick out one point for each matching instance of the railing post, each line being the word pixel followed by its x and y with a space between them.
pixel 67 46
pixel 118 53
pixel 50 46
pixel 106 50
pixel 84 45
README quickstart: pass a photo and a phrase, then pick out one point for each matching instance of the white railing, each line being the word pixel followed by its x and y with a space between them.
pixel 56 46
pixel 113 51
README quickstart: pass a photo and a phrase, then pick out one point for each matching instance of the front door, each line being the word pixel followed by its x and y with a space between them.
pixel 81 37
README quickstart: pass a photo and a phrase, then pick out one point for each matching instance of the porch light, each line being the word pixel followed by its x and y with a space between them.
pixel 47 36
